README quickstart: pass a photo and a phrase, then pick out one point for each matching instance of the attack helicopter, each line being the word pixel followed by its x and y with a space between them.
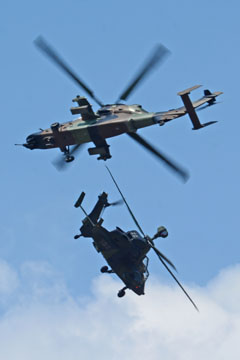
pixel 113 119
pixel 124 252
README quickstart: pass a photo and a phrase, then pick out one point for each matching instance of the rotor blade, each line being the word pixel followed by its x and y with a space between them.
pixel 60 163
pixel 171 165
pixel 52 54
pixel 114 203
pixel 118 202
pixel 162 256
pixel 158 55
pixel 178 282
pixel 125 201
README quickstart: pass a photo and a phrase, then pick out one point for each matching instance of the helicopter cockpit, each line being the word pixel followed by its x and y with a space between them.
pixel 120 108
pixel 106 110
pixel 35 140
pixel 134 235
pixel 138 276
pixel 139 245
pixel 129 109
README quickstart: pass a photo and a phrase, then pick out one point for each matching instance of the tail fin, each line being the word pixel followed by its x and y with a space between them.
pixel 207 92
pixel 212 97
pixel 190 108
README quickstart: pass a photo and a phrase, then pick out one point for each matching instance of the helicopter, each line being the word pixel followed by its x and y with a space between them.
pixel 113 119
pixel 124 252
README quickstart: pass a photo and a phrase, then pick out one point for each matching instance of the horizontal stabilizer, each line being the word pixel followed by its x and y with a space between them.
pixel 187 91
pixel 80 200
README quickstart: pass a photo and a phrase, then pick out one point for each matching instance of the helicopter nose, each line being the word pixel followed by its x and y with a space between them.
pixel 139 289
pixel 33 136
pixel 32 141
pixel 136 279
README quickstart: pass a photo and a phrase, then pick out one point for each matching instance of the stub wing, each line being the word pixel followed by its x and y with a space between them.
pixel 189 107
pixel 84 108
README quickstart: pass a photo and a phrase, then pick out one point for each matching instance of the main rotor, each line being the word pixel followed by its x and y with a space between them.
pixel 158 55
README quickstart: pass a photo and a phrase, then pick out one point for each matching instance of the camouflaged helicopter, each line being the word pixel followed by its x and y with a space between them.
pixel 125 252
pixel 114 119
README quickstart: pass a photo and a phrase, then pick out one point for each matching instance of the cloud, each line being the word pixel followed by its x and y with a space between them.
pixel 45 322
pixel 8 279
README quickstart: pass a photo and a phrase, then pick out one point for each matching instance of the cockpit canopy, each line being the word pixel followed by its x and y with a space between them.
pixel 104 111
pixel 133 234
pixel 121 108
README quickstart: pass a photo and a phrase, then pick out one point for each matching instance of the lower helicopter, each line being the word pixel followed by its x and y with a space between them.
pixel 124 252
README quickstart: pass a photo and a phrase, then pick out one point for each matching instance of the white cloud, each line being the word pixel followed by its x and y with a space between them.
pixel 45 322
pixel 8 279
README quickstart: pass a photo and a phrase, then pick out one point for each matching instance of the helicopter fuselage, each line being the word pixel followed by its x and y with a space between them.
pixel 114 120
pixel 110 121
pixel 125 253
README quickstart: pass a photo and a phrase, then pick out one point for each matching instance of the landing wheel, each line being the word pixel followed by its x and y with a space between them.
pixel 69 158
pixel 121 293
pixel 104 269
pixel 77 237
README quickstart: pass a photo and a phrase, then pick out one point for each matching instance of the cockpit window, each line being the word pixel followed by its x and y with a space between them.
pixel 124 110
pixel 104 112
pixel 141 110
pixel 133 234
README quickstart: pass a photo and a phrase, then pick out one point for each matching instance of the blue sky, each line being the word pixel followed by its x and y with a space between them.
pixel 106 42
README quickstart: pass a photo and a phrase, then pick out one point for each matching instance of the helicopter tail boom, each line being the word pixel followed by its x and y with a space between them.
pixel 92 219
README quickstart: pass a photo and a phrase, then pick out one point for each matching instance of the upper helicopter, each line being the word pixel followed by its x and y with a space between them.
pixel 113 119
